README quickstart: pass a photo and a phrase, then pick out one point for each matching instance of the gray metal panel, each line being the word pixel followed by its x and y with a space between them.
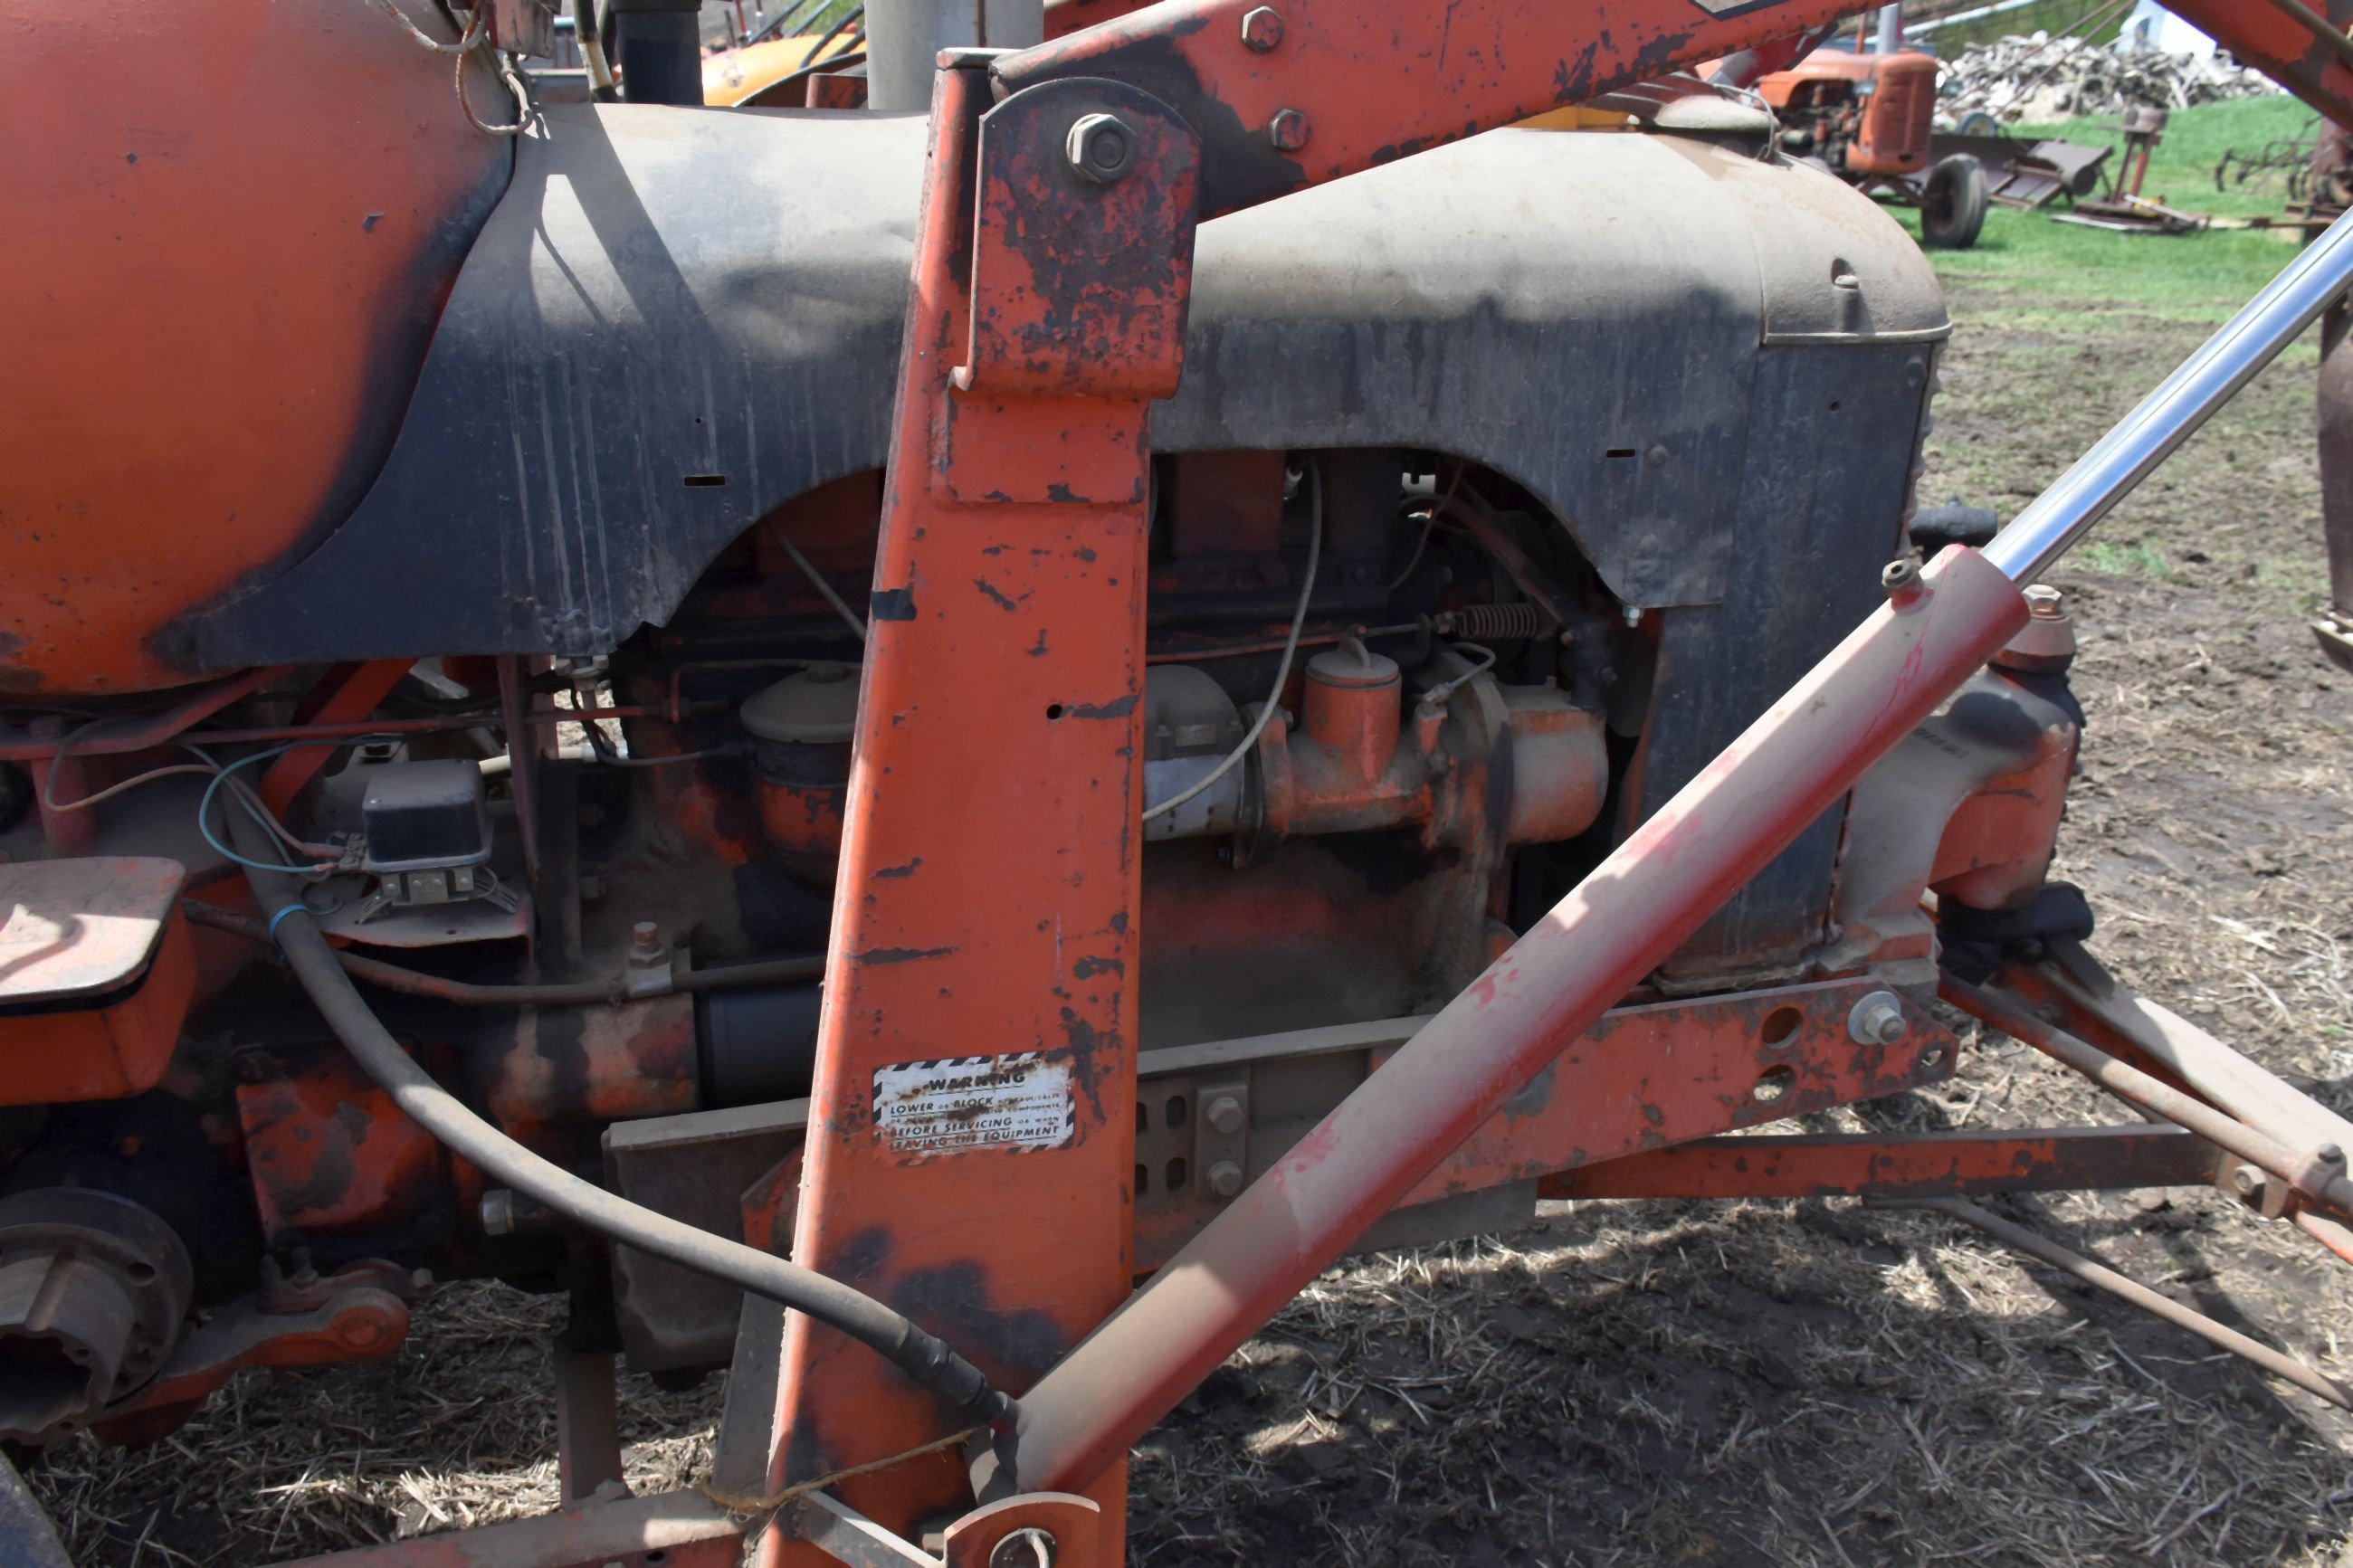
pixel 678 319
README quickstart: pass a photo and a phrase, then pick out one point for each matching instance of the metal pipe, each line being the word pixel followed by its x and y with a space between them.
pixel 2211 1070
pixel 2128 1082
pixel 139 733
pixel 2056 519
pixel 760 972
pixel 1598 944
pixel 2279 1364
pixel 2320 28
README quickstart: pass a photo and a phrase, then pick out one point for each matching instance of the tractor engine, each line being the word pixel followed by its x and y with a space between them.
pixel 1858 115
pixel 1506 484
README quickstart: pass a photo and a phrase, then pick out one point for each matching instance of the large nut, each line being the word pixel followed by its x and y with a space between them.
pixel 1224 1113
pixel 1287 130
pixel 1099 147
pixel 1225 1178
pixel 1877 1019
pixel 1262 29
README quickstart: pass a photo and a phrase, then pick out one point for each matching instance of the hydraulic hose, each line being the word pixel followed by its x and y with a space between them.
pixel 921 1355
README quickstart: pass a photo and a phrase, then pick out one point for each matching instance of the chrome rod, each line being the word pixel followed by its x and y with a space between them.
pixel 2056 519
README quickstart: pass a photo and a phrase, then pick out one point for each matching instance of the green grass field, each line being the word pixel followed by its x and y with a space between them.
pixel 2064 269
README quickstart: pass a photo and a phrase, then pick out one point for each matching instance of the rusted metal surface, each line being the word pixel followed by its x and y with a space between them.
pixel 358 1314
pixel 340 253
pixel 1642 1078
pixel 588 1423
pixel 950 944
pixel 1626 917
pixel 92 1291
pixel 2279 40
pixel 2319 1173
pixel 1347 88
pixel 96 972
pixel 667 1530
pixel 1920 1164
pixel 330 1155
pixel 2175 1050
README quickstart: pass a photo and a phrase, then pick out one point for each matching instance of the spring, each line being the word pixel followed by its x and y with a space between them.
pixel 1491 623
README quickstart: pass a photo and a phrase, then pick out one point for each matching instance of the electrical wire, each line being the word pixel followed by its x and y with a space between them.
pixel 1437 505
pixel 204 764
pixel 1282 670
pixel 922 1356
pixel 205 807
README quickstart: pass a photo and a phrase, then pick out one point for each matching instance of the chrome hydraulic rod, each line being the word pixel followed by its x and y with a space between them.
pixel 2119 460
pixel 1625 919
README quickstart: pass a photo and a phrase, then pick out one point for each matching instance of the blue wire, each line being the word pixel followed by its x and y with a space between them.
pixel 205 811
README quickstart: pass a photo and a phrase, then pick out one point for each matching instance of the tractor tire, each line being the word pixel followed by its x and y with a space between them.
pixel 1953 202
pixel 1977 122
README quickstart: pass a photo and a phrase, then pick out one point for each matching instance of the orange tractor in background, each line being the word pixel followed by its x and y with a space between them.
pixel 1870 119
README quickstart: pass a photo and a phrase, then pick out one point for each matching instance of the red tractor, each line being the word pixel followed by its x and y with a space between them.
pixel 1867 118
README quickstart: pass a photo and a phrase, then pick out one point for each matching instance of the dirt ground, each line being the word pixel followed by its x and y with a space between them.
pixel 1809 1383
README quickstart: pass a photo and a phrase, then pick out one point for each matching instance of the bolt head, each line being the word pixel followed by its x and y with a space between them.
pixel 1100 148
pixel 1262 29
pixel 1287 130
pixel 1225 1178
pixel 2247 1181
pixel 1224 1113
pixel 2045 603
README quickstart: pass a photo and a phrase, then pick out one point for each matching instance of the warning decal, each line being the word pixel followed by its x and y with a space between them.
pixel 958 1104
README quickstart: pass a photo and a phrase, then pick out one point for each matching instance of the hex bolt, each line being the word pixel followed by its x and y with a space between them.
pixel 1100 148
pixel 1224 1113
pixel 1028 1547
pixel 1262 29
pixel 1225 1178
pixel 2045 603
pixel 2247 1181
pixel 1287 130
pixel 1877 1019
pixel 497 1212
pixel 644 939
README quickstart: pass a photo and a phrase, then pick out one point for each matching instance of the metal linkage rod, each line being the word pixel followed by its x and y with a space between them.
pixel 2279 1364
pixel 2056 519
pixel 2311 1173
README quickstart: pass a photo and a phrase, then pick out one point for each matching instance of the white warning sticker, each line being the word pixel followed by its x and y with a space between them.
pixel 958 1104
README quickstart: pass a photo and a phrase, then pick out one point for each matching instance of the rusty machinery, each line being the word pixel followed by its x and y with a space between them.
pixel 1869 119
pixel 836 734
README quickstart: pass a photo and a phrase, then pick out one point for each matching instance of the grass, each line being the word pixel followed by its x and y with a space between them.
pixel 2064 269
